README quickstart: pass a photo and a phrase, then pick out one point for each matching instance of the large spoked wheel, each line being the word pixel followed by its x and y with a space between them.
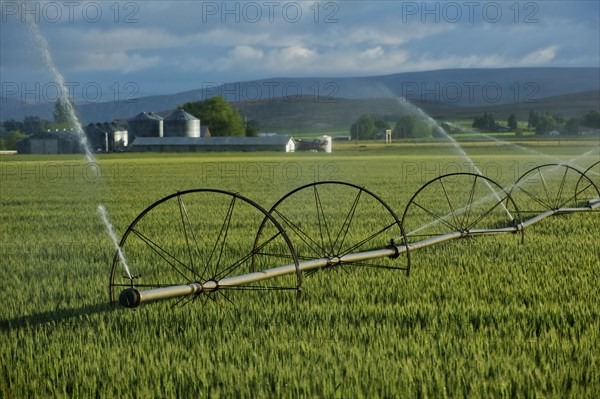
pixel 330 219
pixel 589 180
pixel 551 187
pixel 198 236
pixel 459 203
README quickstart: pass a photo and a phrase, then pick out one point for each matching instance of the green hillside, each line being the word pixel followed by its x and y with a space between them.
pixel 337 114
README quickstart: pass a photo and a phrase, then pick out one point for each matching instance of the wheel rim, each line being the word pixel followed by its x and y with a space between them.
pixel 458 202
pixel 342 218
pixel 552 186
pixel 198 236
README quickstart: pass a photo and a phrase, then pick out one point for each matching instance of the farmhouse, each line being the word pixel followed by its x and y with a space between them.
pixel 213 144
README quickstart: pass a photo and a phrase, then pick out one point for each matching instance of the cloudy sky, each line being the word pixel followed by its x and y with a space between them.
pixel 160 47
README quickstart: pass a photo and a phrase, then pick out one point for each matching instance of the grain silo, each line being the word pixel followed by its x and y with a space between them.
pixel 120 136
pixel 181 124
pixel 146 124
pixel 325 143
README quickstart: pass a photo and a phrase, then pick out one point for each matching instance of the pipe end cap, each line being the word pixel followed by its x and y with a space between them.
pixel 130 298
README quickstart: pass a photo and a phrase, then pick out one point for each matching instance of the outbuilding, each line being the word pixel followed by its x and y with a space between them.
pixel 213 144
pixel 50 143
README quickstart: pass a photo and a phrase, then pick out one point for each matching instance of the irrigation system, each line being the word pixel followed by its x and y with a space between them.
pixel 200 244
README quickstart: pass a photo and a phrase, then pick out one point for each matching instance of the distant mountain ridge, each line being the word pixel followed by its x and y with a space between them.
pixel 449 88
pixel 305 113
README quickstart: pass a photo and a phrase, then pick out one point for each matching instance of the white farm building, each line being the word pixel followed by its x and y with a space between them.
pixel 213 144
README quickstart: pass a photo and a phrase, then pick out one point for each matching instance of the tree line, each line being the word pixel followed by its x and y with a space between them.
pixel 538 123
pixel 408 126
pixel 369 127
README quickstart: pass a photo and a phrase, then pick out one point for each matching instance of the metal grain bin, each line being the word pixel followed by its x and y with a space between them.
pixel 181 124
pixel 146 124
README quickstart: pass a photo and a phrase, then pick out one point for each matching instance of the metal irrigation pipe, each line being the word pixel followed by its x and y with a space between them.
pixel 131 297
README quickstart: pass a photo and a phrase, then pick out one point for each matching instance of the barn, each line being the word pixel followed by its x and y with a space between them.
pixel 50 143
pixel 213 144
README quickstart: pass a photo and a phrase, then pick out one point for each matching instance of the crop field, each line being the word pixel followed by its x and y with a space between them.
pixel 478 317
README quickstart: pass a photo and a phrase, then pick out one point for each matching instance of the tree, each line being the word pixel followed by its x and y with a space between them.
pixel 11 125
pixel 533 119
pixel 363 128
pixel 369 127
pixel 411 126
pixel 34 125
pixel 485 123
pixel 61 113
pixel 591 119
pixel 546 124
pixel 381 125
pixel 519 132
pixel 218 114
pixel 512 122
pixel 252 128
pixel 572 126
pixel 13 137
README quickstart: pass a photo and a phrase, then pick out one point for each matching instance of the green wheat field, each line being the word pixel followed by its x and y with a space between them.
pixel 479 317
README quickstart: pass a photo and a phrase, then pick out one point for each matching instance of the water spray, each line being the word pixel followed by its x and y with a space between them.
pixel 64 91
pixel 104 216
pixel 73 119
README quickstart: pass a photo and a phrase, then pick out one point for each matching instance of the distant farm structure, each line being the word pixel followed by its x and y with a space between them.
pixel 150 132
pixel 213 144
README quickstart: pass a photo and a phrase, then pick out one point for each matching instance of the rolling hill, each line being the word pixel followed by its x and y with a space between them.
pixel 307 114
pixel 321 102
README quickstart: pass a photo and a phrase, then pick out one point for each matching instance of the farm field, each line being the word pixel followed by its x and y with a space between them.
pixel 479 317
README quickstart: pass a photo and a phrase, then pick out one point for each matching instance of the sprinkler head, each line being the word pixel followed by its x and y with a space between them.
pixel 130 298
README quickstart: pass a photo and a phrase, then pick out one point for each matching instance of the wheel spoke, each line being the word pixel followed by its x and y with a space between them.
pixel 483 215
pixel 470 203
pixel 546 189
pixel 228 270
pixel 369 238
pixel 162 252
pixel 578 192
pixel 306 239
pixel 452 210
pixel 557 201
pixel 440 219
pixel 185 220
pixel 346 225
pixel 222 233
pixel 545 205
pixel 322 221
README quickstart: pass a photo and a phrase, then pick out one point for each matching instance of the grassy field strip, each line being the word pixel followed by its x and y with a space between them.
pixel 483 317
